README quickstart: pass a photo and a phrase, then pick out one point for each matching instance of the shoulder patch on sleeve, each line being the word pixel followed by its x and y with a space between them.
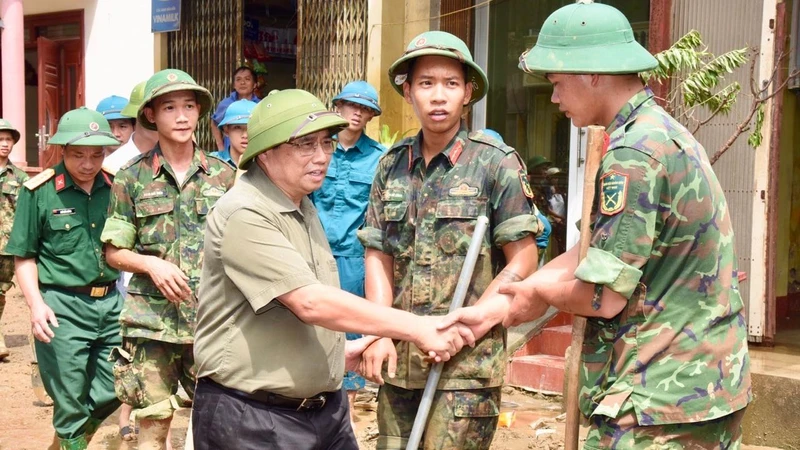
pixel 39 180
pixel 481 137
pixel 133 161
pixel 613 192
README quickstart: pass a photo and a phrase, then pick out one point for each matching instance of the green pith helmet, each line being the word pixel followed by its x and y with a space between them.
pixel 83 126
pixel 172 80
pixel 285 115
pixel 439 43
pixel 137 95
pixel 536 161
pixel 587 37
pixel 6 126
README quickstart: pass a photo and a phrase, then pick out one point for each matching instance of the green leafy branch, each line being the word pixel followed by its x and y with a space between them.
pixel 387 138
pixel 695 76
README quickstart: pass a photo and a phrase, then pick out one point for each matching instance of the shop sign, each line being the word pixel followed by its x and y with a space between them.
pixel 166 16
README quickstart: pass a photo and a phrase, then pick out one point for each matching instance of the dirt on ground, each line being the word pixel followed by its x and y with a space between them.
pixel 528 421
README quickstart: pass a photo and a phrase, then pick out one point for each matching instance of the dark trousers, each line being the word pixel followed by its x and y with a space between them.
pixel 223 420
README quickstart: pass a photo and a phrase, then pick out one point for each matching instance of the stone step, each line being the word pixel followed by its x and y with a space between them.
pixel 553 341
pixel 542 373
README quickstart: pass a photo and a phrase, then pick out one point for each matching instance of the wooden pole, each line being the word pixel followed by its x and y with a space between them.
pixel 594 152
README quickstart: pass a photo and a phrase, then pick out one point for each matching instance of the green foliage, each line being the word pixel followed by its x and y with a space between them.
pixel 695 76
pixel 387 138
pixel 754 140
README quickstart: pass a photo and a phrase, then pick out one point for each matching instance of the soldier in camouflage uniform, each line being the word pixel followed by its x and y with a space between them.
pixel 428 193
pixel 665 362
pixel 157 214
pixel 11 179
pixel 67 283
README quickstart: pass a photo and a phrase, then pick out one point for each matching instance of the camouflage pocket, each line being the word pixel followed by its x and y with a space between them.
pixel 482 403
pixel 127 385
pixel 455 223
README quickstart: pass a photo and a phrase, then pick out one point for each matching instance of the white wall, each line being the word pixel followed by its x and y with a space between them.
pixel 118 45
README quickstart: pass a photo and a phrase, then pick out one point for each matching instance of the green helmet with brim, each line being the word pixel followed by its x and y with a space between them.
pixel 137 95
pixel 587 38
pixel 285 115
pixel 439 43
pixel 172 80
pixel 6 126
pixel 83 126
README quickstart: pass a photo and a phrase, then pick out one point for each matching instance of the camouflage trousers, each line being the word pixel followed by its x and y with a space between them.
pixel 147 374
pixel 6 274
pixel 463 420
pixel 625 433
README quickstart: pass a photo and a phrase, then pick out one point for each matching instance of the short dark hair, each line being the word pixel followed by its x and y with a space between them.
pixel 243 69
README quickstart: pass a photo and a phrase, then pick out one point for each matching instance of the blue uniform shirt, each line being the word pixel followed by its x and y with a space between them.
pixel 342 200
pixel 225 155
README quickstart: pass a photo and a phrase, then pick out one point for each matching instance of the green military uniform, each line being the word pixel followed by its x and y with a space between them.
pixel 59 224
pixel 672 369
pixel 423 216
pixel 150 213
pixel 11 179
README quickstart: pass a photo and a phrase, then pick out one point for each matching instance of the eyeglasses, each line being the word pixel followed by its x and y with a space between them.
pixel 307 147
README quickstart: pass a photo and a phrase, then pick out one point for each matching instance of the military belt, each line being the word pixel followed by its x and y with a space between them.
pixel 268 398
pixel 96 291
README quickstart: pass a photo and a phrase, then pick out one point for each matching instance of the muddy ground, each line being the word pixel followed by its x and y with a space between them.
pixel 528 421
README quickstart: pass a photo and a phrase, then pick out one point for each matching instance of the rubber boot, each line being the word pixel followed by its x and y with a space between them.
pixel 36 380
pixel 3 350
pixel 153 434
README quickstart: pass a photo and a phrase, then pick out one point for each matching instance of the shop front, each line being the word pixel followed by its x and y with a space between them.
pixel 315 45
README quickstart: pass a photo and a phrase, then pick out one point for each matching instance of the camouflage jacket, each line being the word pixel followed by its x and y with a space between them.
pixel 151 215
pixel 425 216
pixel 662 238
pixel 11 179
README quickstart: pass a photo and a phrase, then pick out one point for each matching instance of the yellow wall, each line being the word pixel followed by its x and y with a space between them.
pixel 390 27
pixel 788 257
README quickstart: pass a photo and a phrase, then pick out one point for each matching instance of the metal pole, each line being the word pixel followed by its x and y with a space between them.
pixel 458 300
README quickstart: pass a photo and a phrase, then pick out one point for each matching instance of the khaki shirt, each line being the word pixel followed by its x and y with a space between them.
pixel 258 246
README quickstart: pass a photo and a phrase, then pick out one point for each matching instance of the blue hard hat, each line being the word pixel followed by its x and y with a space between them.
pixel 238 113
pixel 491 133
pixel 362 93
pixel 111 107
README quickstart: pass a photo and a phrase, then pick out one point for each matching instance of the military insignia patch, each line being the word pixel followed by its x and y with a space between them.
pixel 38 180
pixel 463 190
pixel 526 186
pixel 172 77
pixel 420 42
pixel 61 182
pixel 613 192
pixel 94 126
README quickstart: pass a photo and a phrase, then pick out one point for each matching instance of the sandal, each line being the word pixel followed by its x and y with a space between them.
pixel 127 434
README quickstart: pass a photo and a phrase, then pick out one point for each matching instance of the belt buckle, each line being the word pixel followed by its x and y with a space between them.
pixel 303 406
pixel 99 291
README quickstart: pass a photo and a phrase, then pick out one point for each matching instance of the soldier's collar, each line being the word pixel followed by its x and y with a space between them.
pixel 629 109
pixel 198 160
pixel 452 152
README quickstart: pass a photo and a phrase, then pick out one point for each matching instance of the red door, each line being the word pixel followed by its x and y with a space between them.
pixel 49 104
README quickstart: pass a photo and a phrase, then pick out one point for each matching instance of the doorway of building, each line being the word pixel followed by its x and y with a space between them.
pixel 519 108
pixel 53 79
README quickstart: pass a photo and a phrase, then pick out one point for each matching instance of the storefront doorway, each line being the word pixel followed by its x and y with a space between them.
pixel 519 108
pixel 315 45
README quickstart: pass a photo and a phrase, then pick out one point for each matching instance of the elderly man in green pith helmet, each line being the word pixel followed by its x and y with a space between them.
pixel 428 193
pixel 665 362
pixel 70 288
pixel 269 341
pixel 156 221
pixel 11 179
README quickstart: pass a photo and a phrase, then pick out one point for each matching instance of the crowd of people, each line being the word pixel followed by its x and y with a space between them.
pixel 265 279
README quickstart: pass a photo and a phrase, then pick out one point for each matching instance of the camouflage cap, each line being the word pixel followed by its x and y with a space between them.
pixel 587 37
pixel 285 115
pixel 131 109
pixel 83 126
pixel 6 126
pixel 172 80
pixel 439 43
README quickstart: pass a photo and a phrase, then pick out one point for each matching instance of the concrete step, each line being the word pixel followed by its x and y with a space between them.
pixel 543 373
pixel 553 341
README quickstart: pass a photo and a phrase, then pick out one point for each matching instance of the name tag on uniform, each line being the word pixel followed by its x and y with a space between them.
pixel 213 192
pixel 464 190
pixel 64 212
pixel 153 194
